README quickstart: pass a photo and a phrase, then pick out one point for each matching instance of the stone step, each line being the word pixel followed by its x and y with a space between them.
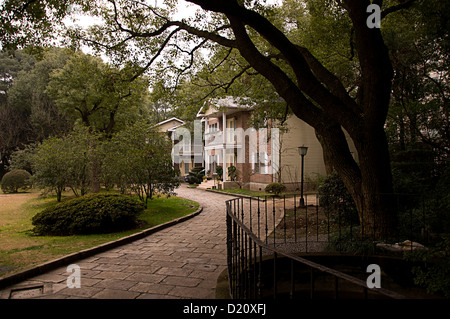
pixel 207 184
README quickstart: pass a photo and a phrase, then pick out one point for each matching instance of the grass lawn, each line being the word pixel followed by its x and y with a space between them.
pixel 21 249
pixel 247 192
pixel 241 191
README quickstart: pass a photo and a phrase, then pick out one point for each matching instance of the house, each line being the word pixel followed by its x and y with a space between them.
pixel 260 156
pixel 185 158
pixel 169 125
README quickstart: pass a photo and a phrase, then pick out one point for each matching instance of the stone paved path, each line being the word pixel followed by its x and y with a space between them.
pixel 182 261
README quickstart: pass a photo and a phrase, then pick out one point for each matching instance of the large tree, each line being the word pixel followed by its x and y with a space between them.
pixel 153 37
pixel 98 94
pixel 27 114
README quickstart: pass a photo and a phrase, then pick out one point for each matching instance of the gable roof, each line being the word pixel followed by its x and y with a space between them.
pixel 229 104
pixel 171 119
pixel 166 125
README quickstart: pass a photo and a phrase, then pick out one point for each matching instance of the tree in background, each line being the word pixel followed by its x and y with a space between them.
pixel 60 162
pixel 27 113
pixel 101 96
pixel 418 123
pixel 138 159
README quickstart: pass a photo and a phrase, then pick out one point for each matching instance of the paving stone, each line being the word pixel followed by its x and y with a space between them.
pixel 110 254
pixel 142 269
pixel 51 278
pixel 110 267
pixel 205 267
pixel 137 262
pixel 151 288
pixel 175 264
pixel 88 281
pixel 107 260
pixel 192 293
pixel 87 265
pixel 89 273
pixel 87 292
pixel 116 294
pixel 115 284
pixel 112 275
pixel 149 278
pixel 181 281
pixel 174 271
pixel 155 296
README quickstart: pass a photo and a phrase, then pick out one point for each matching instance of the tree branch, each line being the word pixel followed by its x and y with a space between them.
pixel 403 5
pixel 329 79
pixel 282 83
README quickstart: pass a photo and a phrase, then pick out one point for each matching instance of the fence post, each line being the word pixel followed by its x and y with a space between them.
pixel 306 230
pixel 284 218
pixel 275 282
pixel 260 284
pixel 295 218
pixel 292 280
pixel 274 221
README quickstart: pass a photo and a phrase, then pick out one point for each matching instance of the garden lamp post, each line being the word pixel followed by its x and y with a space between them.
pixel 302 150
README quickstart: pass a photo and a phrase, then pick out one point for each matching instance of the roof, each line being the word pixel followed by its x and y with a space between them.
pixel 229 104
pixel 177 123
pixel 171 119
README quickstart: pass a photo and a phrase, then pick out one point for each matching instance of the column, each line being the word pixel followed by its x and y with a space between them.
pixel 224 150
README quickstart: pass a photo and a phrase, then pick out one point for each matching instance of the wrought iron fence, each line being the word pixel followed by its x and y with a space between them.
pixel 266 235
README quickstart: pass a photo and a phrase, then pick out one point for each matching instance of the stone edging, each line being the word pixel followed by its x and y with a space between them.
pixel 40 269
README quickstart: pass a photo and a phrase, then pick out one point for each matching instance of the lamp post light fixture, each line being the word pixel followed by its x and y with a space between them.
pixel 302 150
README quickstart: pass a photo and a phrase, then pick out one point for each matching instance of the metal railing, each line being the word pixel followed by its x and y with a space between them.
pixel 256 252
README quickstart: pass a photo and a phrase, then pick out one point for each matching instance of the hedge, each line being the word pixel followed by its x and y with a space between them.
pixel 89 214
pixel 12 181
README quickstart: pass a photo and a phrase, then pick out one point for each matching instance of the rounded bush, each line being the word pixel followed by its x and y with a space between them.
pixel 12 181
pixel 276 188
pixel 89 214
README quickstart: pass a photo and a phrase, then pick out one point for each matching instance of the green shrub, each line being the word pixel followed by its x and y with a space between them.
pixel 89 214
pixel 336 200
pixel 219 171
pixel 12 181
pixel 196 175
pixel 433 273
pixel 276 188
pixel 233 173
pixel 348 240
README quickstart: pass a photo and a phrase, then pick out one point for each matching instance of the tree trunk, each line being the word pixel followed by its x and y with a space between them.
pixel 59 191
pixel 95 180
pixel 377 203
pixel 369 182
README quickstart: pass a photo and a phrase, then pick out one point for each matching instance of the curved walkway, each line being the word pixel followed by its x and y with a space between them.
pixel 182 261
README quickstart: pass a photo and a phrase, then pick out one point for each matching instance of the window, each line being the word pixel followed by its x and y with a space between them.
pixel 231 125
pixel 260 163
pixel 264 167
pixel 213 128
